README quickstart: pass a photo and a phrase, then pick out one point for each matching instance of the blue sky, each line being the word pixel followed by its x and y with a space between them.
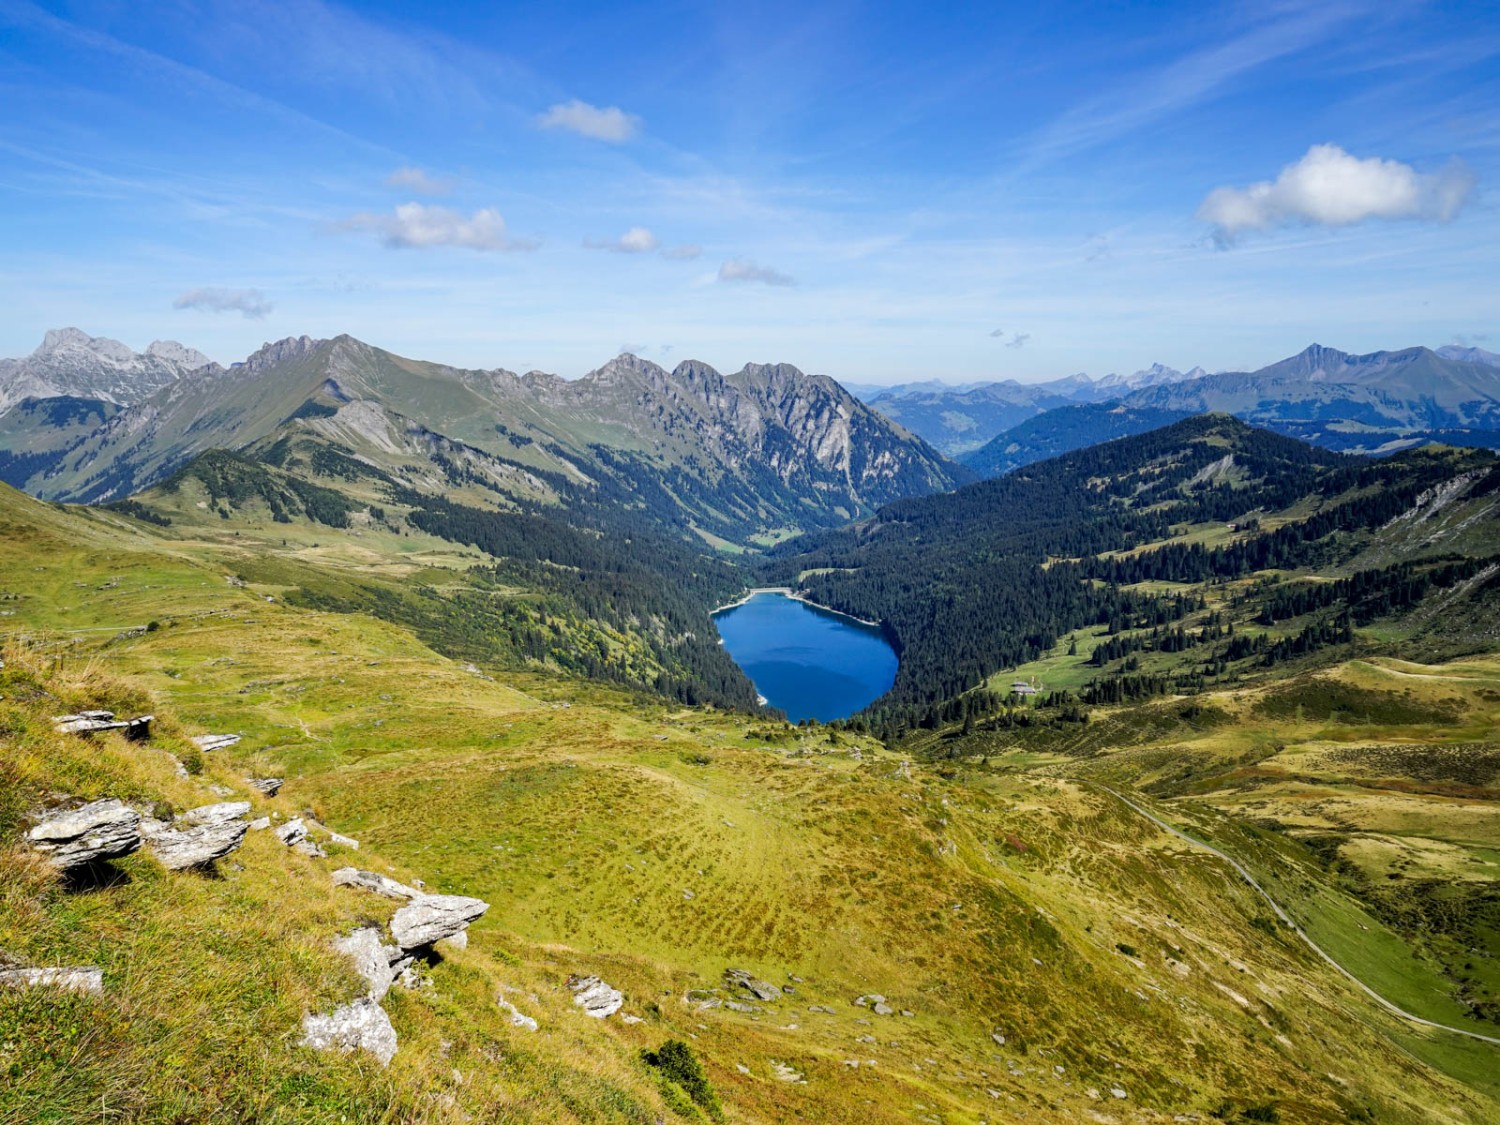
pixel 878 192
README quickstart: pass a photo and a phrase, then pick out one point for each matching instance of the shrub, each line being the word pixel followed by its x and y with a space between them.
pixel 678 1066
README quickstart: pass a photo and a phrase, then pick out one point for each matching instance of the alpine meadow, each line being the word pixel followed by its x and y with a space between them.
pixel 672 581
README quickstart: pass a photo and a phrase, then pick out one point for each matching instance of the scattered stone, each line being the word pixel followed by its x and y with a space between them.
pixel 360 1025
pixel 761 990
pixel 908 1014
pixel 882 1009
pixel 1116 1092
pixel 820 1008
pixel 736 1006
pixel 998 1038
pixel 430 918
pixel 309 848
pixel 208 743
pixel 104 829
pixel 292 832
pixel 872 998
pixel 517 1018
pixel 370 881
pixel 377 963
pixel 626 1017
pixel 270 786
pixel 345 841
pixel 214 831
pixel 785 1073
pixel 260 824
pixel 81 978
pixel 597 999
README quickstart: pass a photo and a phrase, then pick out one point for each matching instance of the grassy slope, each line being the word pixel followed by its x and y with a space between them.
pixel 588 818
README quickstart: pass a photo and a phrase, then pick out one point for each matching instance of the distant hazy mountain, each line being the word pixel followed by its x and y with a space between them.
pixel 70 362
pixel 730 456
pixel 1469 355
pixel 959 419
pixel 1063 430
pixel 1374 403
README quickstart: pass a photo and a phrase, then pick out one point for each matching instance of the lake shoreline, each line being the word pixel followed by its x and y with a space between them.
pixel 792 595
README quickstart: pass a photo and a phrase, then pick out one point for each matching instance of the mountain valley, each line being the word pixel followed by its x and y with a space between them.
pixel 466 617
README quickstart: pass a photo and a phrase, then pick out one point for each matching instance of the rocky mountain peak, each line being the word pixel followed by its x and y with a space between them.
pixel 172 352
pixel 281 351
pixel 60 341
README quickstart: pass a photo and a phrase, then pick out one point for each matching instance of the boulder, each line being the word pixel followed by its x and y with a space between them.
pixel 377 963
pixel 91 722
pixel 104 829
pixel 270 786
pixel 360 1025
pixel 761 990
pixel 345 841
pixel 596 998
pixel 81 978
pixel 195 846
pixel 260 824
pixel 459 940
pixel 309 848
pixel 370 881
pixel 430 918
pixel 292 832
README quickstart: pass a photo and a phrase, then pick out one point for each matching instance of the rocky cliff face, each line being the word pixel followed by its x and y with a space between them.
pixel 70 362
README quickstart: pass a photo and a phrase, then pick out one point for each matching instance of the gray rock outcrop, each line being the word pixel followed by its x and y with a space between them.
pixel 377 963
pixel 372 881
pixel 292 832
pixel 360 1025
pixel 761 990
pixel 270 786
pixel 596 998
pixel 430 918
pixel 212 831
pixel 81 978
pixel 208 743
pixel 104 829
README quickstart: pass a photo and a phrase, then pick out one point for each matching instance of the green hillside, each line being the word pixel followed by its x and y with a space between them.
pixel 1060 955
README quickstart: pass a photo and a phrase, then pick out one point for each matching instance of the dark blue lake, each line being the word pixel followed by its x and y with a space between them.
pixel 810 662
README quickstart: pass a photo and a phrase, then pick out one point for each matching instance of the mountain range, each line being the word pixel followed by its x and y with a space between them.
pixel 960 419
pixel 766 450
pixel 1376 403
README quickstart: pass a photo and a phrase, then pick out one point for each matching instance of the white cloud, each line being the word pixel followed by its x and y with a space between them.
pixel 1329 187
pixel 684 253
pixel 740 269
pixel 608 124
pixel 420 225
pixel 637 240
pixel 414 179
pixel 249 303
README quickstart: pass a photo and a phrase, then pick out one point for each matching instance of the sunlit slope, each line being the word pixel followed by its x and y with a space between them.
pixel 659 846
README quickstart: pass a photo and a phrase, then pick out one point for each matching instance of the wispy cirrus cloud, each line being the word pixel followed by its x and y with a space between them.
pixel 637 240
pixel 686 252
pixel 249 303
pixel 1329 187
pixel 411 178
pixel 744 270
pixel 602 123
pixel 422 226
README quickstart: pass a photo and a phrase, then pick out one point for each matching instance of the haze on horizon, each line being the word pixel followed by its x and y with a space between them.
pixel 881 193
